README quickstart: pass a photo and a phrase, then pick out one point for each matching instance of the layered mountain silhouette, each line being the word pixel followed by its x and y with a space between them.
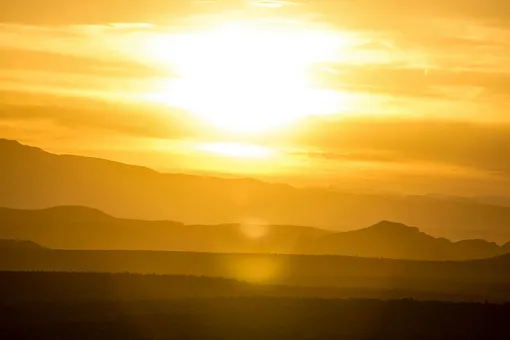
pixel 73 227
pixel 31 178
pixel 83 228
pixel 395 240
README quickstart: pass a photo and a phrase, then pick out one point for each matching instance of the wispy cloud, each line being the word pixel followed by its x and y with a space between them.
pixel 428 80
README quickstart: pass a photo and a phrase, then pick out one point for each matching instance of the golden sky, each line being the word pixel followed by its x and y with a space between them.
pixel 384 95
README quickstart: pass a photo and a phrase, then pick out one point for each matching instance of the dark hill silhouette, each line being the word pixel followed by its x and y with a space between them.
pixel 31 178
pixel 478 249
pixel 19 245
pixel 395 240
pixel 61 214
pixel 84 228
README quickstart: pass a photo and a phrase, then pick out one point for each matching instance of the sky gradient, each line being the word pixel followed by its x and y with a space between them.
pixel 420 88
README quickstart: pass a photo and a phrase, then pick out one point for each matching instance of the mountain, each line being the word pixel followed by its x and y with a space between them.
pixel 395 240
pixel 31 178
pixel 19 245
pixel 75 227
pixel 477 249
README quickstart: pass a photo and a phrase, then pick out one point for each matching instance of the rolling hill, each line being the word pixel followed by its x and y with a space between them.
pixel 85 228
pixel 19 245
pixel 395 240
pixel 73 227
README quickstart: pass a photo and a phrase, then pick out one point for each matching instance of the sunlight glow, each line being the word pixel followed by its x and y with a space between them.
pixel 254 230
pixel 242 77
pixel 236 150
pixel 255 269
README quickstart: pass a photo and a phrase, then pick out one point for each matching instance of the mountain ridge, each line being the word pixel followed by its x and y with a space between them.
pixel 19 245
pixel 32 178
pixel 395 240
pixel 71 227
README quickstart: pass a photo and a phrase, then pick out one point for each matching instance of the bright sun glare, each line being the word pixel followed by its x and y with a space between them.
pixel 237 150
pixel 244 78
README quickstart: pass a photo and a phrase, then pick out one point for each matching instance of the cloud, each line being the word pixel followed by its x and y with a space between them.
pixel 432 59
pixel 442 62
pixel 62 12
pixel 112 42
pixel 93 116
pixel 353 155
pixel 20 60
pixel 385 14
pixel 402 154
pixel 78 60
pixel 480 146
pixel 375 13
pixel 440 83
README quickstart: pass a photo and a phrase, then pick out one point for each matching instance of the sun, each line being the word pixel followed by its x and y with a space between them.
pixel 244 77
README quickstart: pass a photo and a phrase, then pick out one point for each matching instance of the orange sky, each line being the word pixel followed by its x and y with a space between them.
pixel 386 95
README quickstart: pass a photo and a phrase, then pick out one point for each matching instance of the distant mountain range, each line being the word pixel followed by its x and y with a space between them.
pixel 398 241
pixel 84 228
pixel 31 178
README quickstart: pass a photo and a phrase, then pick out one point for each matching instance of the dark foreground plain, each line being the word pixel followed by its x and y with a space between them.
pixel 479 280
pixel 126 306
pixel 29 287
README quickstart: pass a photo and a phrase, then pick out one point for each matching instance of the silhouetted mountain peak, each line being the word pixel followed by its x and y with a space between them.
pixel 391 227
pixel 10 143
pixel 77 213
pixel 13 146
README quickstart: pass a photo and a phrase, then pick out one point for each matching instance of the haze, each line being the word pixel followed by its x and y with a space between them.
pixel 378 96
pixel 254 169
